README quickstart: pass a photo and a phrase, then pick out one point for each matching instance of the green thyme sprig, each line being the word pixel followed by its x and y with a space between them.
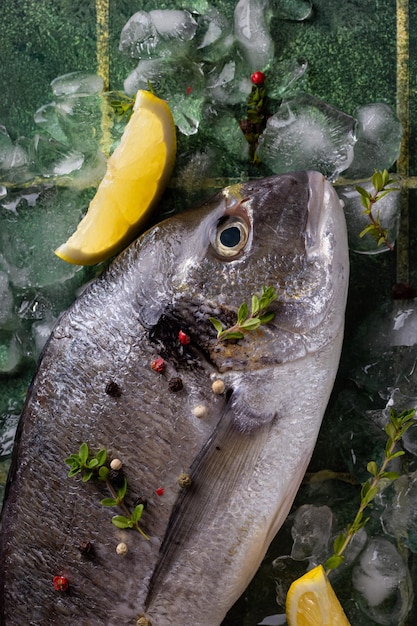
pixel 245 321
pixel 254 123
pixel 397 425
pixel 380 181
pixel 94 466
pixel 122 105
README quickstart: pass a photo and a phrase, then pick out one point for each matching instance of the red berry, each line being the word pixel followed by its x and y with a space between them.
pixel 188 90
pixel 158 365
pixel 184 338
pixel 60 583
pixel 159 491
pixel 258 78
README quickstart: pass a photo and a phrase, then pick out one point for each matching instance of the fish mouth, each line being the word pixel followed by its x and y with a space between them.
pixel 321 194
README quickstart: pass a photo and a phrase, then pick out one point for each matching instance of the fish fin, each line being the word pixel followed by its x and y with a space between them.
pixel 229 455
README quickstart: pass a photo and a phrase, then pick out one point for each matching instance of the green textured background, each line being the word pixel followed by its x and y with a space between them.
pixel 351 49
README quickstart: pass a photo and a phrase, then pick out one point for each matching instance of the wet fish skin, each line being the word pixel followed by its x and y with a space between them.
pixel 246 458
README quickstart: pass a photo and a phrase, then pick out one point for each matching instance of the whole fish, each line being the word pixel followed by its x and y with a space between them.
pixel 129 368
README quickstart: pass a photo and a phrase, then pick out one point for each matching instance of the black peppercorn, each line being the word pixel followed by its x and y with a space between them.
pixel 175 384
pixel 113 389
pixel 85 547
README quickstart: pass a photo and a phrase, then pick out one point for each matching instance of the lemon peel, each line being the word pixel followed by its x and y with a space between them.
pixel 311 601
pixel 137 174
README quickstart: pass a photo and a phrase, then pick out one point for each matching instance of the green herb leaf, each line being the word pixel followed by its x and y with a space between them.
pixel 251 324
pixel 394 455
pixel 338 542
pixel 232 334
pixel 83 453
pixel 137 513
pixel 255 305
pixel 378 181
pixel 73 458
pixel 108 502
pixel 372 468
pixel 217 324
pixel 87 476
pixel 391 430
pixel 369 495
pixel 242 313
pixel 267 297
pixel 390 475
pixel 103 473
pixel 368 229
pixel 121 492
pixel 122 522
pixel 101 457
pixel 74 471
pixel 362 192
pixel 334 561
pixel 246 322
pixel 267 317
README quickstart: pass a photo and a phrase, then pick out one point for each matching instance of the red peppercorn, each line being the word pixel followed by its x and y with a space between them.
pixel 60 583
pixel 184 338
pixel 159 491
pixel 158 365
pixel 258 78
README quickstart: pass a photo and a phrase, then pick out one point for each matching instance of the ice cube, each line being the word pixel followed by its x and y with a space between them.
pixel 6 301
pixel 42 218
pixel 225 134
pixel 90 174
pixel 379 136
pixel 41 331
pixel 399 518
pixel 14 159
pixel 388 208
pixel 311 533
pixel 287 78
pixel 224 85
pixel 195 171
pixel 178 25
pixel 52 158
pixel 139 38
pixel 46 118
pixel 286 570
pixel 80 117
pixel 161 32
pixel 307 133
pixel 382 583
pixel 10 354
pixel 410 439
pixel 214 38
pixel 274 620
pixel 297 10
pixel 252 32
pixel 183 90
pixel 80 83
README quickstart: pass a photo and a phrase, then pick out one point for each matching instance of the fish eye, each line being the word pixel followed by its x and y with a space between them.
pixel 231 236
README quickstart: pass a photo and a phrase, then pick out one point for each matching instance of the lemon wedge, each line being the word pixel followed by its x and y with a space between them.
pixel 137 173
pixel 311 601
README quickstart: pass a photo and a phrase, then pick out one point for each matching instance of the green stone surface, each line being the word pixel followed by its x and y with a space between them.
pixel 351 47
